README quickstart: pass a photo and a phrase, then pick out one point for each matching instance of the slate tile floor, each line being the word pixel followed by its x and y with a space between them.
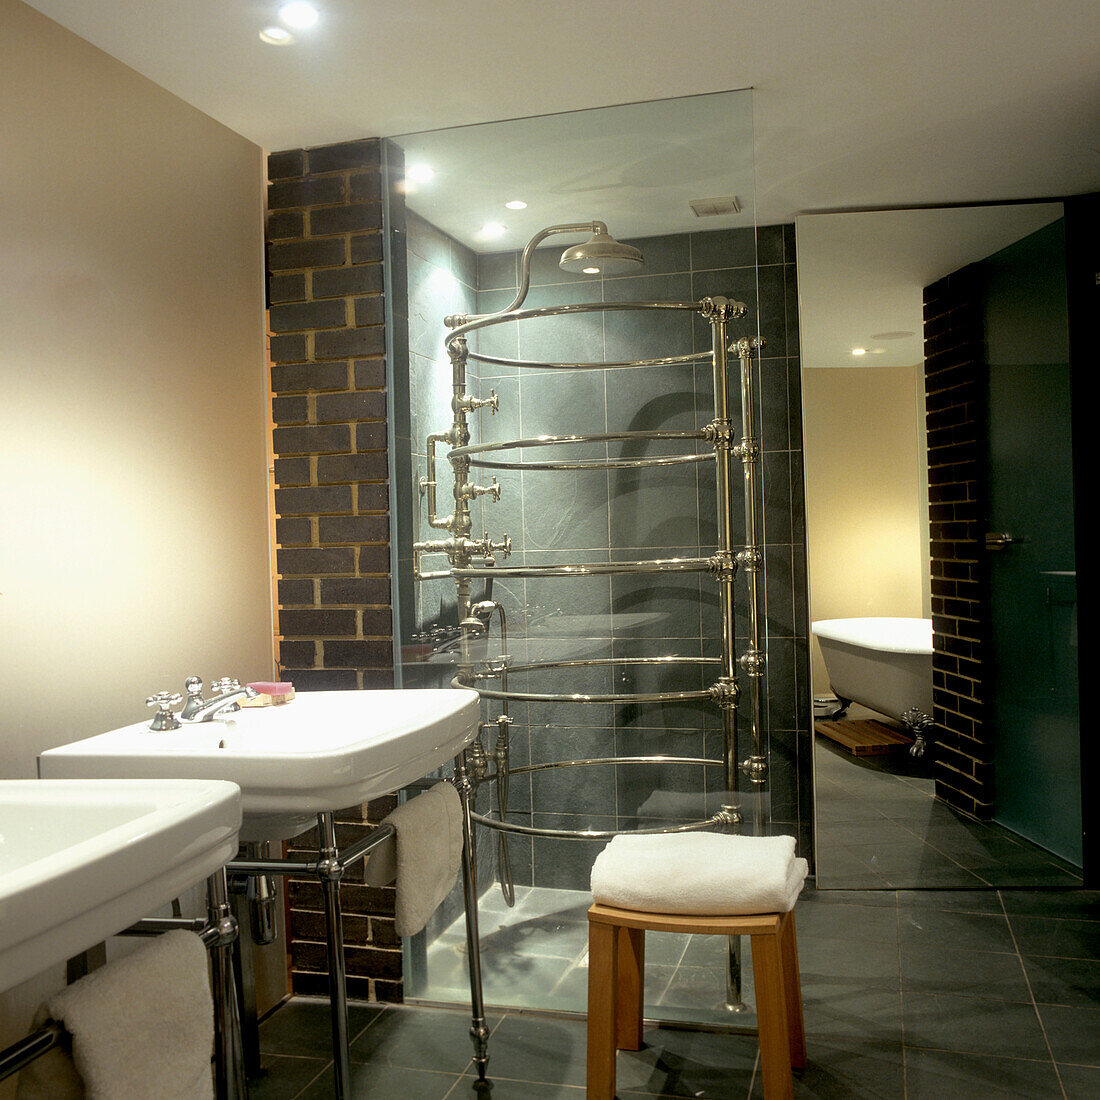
pixel 908 994
pixel 879 825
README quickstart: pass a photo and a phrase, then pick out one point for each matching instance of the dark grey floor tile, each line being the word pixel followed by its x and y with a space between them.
pixel 922 926
pixel 681 1062
pixel 1080 1082
pixel 303 1027
pixel 878 924
pixel 539 1048
pixel 817 894
pixel 1064 981
pixel 502 1088
pixel 284 1078
pixel 1079 904
pixel 841 1071
pixel 973 1025
pixel 852 1013
pixel 852 874
pixel 934 873
pixel 1076 939
pixel 929 967
pixel 947 1075
pixel 417 1038
pixel 969 901
pixel 870 965
pixel 1073 1033
pixel 375 1082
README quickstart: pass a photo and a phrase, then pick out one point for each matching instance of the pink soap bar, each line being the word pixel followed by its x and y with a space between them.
pixel 268 688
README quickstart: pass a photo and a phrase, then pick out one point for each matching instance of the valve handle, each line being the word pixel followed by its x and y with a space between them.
pixel 164 719
pixel 166 700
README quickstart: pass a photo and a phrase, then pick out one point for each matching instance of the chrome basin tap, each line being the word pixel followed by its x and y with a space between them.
pixel 228 692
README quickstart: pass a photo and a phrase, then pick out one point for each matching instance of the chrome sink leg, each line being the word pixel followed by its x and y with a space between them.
pixel 228 1047
pixel 479 1031
pixel 330 871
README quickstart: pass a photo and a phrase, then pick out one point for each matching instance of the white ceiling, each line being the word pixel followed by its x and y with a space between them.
pixel 858 104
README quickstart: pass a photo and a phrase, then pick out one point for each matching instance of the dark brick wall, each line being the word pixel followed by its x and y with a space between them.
pixel 372 947
pixel 328 342
pixel 330 406
pixel 955 388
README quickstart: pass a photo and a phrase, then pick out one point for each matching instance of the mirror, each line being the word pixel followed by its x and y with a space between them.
pixel 880 821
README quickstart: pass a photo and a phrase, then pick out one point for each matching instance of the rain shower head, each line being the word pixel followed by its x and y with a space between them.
pixel 601 254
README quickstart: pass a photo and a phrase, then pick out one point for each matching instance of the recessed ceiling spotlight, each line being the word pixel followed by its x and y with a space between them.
pixel 859 351
pixel 491 230
pixel 299 15
pixel 516 204
pixel 419 173
pixel 276 36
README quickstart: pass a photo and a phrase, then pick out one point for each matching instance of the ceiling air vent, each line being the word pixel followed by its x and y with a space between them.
pixel 715 208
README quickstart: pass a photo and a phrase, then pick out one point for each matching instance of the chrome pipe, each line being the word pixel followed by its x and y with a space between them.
pixel 479 1030
pixel 20 1054
pixel 664 361
pixel 332 872
pixel 597 834
pixel 720 313
pixel 313 867
pixel 608 662
pixel 591 569
pixel 593 761
pixel 581 697
pixel 229 1075
pixel 754 661
pixel 594 463
pixel 559 440
pixel 473 322
pixel 157 926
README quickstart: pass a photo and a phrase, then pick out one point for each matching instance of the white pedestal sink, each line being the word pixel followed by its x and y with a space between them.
pixel 81 860
pixel 321 752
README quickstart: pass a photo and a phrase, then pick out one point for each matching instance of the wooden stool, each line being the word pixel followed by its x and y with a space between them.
pixel 616 966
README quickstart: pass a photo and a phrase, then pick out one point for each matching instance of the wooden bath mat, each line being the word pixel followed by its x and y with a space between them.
pixel 862 736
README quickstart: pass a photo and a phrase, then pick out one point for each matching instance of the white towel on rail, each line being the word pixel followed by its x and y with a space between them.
pixel 142 1027
pixel 424 857
pixel 699 873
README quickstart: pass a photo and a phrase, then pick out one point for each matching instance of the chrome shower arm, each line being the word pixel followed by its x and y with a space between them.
pixel 457 320
pixel 534 242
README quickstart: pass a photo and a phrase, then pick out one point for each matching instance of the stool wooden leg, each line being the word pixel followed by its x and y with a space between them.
pixel 602 995
pixel 771 1015
pixel 631 977
pixel 792 984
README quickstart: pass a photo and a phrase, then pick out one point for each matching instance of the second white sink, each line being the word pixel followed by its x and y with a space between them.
pixel 80 861
pixel 323 751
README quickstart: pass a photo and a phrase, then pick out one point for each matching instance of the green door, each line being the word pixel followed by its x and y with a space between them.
pixel 1034 710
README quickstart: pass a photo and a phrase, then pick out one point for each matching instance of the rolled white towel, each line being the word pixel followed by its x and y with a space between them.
pixel 706 874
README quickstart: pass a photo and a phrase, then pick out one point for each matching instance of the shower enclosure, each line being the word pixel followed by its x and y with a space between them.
pixel 585 545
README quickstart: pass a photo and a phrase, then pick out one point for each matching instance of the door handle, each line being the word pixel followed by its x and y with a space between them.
pixel 999 540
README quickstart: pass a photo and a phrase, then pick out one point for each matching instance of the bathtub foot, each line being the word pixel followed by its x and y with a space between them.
pixel 920 725
pixel 842 706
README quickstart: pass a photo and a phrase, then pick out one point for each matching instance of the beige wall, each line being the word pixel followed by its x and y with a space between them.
pixel 866 495
pixel 133 486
